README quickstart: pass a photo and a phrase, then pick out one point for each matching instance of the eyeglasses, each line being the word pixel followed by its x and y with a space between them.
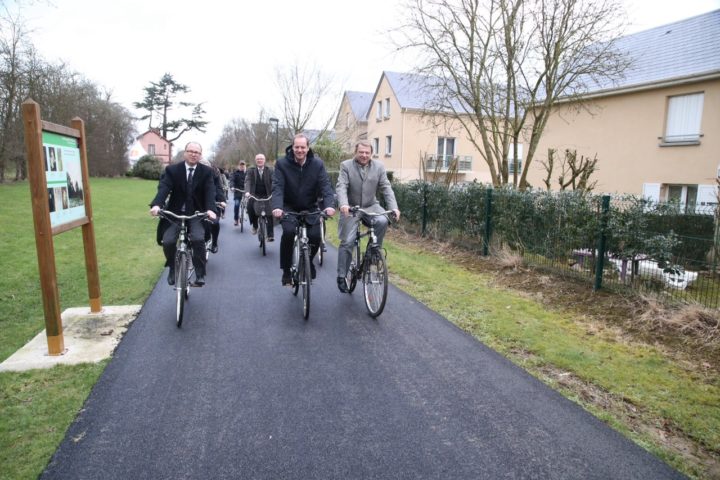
pixel 193 152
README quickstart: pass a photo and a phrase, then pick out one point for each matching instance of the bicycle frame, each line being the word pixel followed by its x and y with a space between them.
pixel 263 219
pixel 301 269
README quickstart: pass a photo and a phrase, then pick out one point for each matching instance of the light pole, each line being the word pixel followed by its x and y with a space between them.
pixel 276 122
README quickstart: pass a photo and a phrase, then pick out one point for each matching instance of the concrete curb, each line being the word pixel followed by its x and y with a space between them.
pixel 89 337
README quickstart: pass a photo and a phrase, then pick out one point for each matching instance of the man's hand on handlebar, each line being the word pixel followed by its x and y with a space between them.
pixel 329 211
pixel 277 213
pixel 211 215
pixel 155 210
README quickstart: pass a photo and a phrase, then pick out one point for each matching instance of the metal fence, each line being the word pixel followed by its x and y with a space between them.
pixel 669 250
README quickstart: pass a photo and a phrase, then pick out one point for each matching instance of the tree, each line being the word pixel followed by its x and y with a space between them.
pixel 303 90
pixel 242 140
pixel 574 173
pixel 499 66
pixel 160 100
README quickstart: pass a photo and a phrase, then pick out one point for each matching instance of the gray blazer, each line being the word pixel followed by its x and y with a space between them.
pixel 352 189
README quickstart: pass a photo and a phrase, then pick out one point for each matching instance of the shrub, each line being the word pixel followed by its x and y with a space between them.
pixel 147 167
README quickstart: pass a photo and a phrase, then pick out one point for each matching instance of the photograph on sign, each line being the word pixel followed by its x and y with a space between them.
pixel 64 178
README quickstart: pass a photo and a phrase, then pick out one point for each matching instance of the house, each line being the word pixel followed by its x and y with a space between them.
pixel 656 132
pixel 136 153
pixel 154 144
pixel 351 121
pixel 410 140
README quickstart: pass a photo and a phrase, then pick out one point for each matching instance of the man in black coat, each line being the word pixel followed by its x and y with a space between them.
pixel 299 176
pixel 190 188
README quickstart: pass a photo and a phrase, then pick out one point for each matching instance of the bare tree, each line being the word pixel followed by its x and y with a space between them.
pixel 304 89
pixel 242 140
pixel 575 172
pixel 499 66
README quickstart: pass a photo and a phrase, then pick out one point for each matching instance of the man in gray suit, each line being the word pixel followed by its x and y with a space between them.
pixel 358 183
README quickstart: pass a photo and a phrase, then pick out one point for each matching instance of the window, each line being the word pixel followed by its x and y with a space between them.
pixel 511 161
pixel 376 146
pixel 684 114
pixel 378 113
pixel 388 145
pixel 387 108
pixel 151 149
pixel 445 151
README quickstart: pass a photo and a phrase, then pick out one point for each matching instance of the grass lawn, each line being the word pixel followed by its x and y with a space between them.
pixel 36 407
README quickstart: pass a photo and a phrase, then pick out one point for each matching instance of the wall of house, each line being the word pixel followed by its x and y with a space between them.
pixel 414 136
pixel 162 146
pixel 623 131
pixel 348 135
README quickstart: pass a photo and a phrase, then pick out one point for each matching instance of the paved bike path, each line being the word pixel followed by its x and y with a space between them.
pixel 248 389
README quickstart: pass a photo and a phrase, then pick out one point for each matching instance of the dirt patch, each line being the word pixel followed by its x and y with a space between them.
pixel 688 335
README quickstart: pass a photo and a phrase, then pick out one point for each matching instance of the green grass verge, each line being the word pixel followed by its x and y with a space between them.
pixel 36 407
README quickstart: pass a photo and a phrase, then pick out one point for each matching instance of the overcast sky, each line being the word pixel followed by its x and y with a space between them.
pixel 227 51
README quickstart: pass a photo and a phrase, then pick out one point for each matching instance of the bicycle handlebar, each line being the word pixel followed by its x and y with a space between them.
pixel 170 215
pixel 250 195
pixel 354 210
pixel 304 213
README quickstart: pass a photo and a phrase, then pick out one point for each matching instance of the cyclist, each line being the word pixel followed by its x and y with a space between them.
pixel 298 177
pixel 258 183
pixel 190 187
pixel 238 181
pixel 212 229
pixel 359 181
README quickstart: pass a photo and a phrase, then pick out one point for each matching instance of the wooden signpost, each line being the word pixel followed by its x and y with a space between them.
pixel 60 193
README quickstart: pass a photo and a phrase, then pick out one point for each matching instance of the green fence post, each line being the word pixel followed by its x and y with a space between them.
pixel 488 222
pixel 424 209
pixel 604 214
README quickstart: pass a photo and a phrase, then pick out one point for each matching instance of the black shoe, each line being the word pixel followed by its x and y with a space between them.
pixel 286 278
pixel 271 239
pixel 313 273
pixel 214 249
pixel 171 277
pixel 342 285
pixel 199 280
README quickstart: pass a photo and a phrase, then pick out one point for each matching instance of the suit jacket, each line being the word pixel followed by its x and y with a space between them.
pixel 352 189
pixel 173 184
pixel 251 180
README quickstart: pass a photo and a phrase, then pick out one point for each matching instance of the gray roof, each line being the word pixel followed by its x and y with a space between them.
pixel 415 91
pixel 678 50
pixel 359 104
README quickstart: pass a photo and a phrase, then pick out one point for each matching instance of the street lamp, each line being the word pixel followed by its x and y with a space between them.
pixel 275 121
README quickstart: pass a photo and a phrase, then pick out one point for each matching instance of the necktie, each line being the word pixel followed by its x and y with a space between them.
pixel 260 172
pixel 189 203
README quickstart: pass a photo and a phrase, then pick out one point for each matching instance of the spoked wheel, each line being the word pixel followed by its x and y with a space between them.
pixel 241 217
pixel 181 285
pixel 351 277
pixel 305 281
pixel 375 283
pixel 262 233
pixel 296 268
pixel 321 250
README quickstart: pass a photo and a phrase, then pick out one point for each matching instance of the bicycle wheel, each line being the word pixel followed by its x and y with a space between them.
pixel 305 282
pixel 262 233
pixel 375 282
pixel 241 216
pixel 352 274
pixel 181 283
pixel 321 250
pixel 296 267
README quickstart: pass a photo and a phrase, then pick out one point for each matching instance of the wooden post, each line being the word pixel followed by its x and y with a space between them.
pixel 43 229
pixel 88 229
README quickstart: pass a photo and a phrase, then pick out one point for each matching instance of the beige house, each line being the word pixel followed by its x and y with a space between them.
pixel 351 120
pixel 656 132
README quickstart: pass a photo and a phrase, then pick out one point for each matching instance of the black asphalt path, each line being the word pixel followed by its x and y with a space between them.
pixel 249 390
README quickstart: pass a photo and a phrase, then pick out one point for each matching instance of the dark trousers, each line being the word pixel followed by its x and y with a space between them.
pixel 212 230
pixel 288 238
pixel 197 240
pixel 237 198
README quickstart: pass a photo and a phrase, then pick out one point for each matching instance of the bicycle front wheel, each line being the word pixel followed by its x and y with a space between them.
pixel 262 233
pixel 241 216
pixel 181 285
pixel 321 250
pixel 375 283
pixel 296 268
pixel 352 274
pixel 305 281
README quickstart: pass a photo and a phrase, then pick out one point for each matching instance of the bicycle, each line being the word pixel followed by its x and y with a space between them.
pixel 243 205
pixel 301 268
pixel 261 204
pixel 208 241
pixel 372 270
pixel 183 260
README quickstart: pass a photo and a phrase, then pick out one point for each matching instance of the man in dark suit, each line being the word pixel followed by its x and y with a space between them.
pixel 190 188
pixel 258 183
